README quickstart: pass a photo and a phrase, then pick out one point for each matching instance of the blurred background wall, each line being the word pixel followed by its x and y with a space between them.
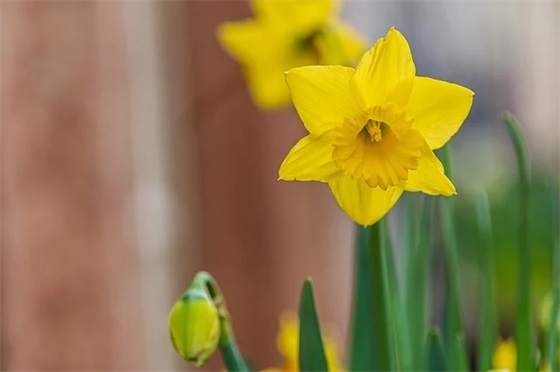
pixel 132 157
pixel 70 266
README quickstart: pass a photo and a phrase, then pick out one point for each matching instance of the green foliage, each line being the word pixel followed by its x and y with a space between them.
pixel 524 332
pixel 503 240
pixel 452 326
pixel 555 310
pixel 435 354
pixel 418 267
pixel 372 334
pixel 311 351
pixel 361 357
pixel 487 321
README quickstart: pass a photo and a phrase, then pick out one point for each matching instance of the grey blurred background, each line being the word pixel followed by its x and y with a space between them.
pixel 132 157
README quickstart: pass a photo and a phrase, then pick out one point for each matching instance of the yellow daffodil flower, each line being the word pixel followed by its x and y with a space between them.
pixel 288 345
pixel 372 129
pixel 505 356
pixel 285 34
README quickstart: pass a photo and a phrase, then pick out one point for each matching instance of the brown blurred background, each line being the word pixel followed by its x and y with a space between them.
pixel 132 157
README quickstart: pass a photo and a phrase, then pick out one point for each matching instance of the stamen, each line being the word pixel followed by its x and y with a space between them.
pixel 374 130
pixel 377 155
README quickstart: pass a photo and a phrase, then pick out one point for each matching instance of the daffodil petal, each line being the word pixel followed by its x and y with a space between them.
pixel 400 95
pixel 429 177
pixel 321 95
pixel 382 68
pixel 251 42
pixel 439 109
pixel 344 45
pixel 300 15
pixel 268 86
pixel 310 160
pixel 365 205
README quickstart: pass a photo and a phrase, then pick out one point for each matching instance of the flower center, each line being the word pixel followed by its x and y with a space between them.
pixel 375 130
pixel 382 151
pixel 309 45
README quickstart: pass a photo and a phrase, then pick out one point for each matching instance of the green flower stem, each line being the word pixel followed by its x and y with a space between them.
pixel 453 326
pixel 524 334
pixel 487 324
pixel 381 321
pixel 361 329
pixel 228 347
pixel 553 327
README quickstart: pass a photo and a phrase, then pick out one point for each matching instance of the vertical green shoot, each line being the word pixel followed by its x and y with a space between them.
pixel 435 354
pixel 454 348
pixel 524 332
pixel 553 327
pixel 311 351
pixel 417 271
pixel 487 322
pixel 382 347
pixel 371 346
pixel 362 333
pixel 394 307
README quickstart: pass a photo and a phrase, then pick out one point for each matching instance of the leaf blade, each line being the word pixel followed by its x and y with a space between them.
pixel 311 350
pixel 524 334
pixel 434 350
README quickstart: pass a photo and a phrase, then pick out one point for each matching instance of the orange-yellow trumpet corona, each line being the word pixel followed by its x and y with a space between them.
pixel 372 129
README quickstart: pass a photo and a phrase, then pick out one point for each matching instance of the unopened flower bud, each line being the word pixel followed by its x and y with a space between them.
pixel 194 326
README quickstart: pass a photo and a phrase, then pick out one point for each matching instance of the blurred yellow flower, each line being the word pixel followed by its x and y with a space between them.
pixel 373 128
pixel 285 34
pixel 505 356
pixel 288 345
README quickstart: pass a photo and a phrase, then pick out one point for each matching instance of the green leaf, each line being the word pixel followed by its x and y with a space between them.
pixel 487 322
pixel 311 350
pixel 554 312
pixel 371 346
pixel 524 334
pixel 398 332
pixel 435 354
pixel 553 329
pixel 461 351
pixel 452 317
pixel 418 267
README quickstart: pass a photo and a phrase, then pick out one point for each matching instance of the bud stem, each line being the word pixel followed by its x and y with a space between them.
pixel 228 347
